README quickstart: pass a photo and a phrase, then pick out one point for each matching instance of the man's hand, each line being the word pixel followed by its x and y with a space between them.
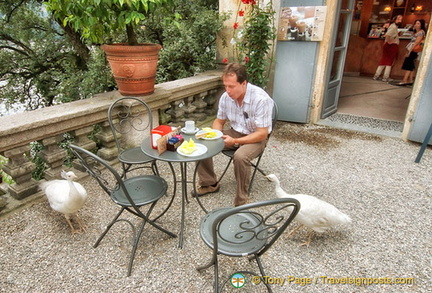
pixel 229 141
pixel 259 135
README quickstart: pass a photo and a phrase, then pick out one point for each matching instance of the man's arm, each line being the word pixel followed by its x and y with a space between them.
pixel 218 124
pixel 259 135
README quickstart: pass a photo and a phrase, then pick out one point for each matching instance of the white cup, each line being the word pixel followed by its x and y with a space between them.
pixel 190 126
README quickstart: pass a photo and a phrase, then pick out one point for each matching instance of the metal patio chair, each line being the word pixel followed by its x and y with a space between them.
pixel 424 144
pixel 230 153
pixel 130 195
pixel 127 115
pixel 247 230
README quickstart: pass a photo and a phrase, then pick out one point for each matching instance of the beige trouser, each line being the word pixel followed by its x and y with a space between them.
pixel 242 167
pixel 386 71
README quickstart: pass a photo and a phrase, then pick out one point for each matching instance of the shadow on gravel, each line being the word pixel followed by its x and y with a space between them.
pixel 318 136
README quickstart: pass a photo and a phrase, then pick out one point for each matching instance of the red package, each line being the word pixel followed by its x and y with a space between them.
pixel 158 132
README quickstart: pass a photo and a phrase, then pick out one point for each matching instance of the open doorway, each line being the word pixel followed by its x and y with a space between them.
pixel 360 95
pixel 363 96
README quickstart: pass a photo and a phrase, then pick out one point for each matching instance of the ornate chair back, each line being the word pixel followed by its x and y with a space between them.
pixel 247 230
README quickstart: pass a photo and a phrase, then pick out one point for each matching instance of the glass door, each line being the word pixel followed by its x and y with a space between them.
pixel 336 60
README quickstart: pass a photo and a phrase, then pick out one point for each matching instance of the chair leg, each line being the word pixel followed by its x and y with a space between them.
pixel 164 211
pixel 174 178
pixel 137 236
pixel 206 266
pixel 255 166
pixel 424 144
pixel 226 168
pixel 195 187
pixel 214 263
pixel 216 277
pixel 154 168
pixel 151 222
pixel 134 247
pixel 261 268
pixel 108 228
pixel 125 168
pixel 261 171
pixel 173 195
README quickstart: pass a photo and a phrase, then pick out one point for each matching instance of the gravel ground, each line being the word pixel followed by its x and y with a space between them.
pixel 372 178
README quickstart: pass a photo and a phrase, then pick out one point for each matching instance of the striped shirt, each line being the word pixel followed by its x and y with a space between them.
pixel 256 110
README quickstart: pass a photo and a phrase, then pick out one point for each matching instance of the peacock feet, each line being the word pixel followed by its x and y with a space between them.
pixel 292 232
pixel 81 227
pixel 309 238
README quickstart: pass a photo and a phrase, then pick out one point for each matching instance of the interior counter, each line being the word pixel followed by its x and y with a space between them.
pixel 364 54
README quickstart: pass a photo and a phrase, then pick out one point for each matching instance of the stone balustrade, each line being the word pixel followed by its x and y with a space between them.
pixel 172 103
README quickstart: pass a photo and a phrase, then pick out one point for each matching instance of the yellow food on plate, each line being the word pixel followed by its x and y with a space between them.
pixel 188 147
pixel 209 133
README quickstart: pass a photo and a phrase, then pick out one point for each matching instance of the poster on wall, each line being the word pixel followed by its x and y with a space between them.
pixel 303 23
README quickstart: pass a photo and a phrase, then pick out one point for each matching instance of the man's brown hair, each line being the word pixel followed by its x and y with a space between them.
pixel 236 69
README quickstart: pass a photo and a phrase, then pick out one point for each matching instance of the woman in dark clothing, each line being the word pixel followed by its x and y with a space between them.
pixel 410 57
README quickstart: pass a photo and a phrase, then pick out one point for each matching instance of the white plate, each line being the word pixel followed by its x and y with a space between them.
pixel 188 132
pixel 218 134
pixel 200 150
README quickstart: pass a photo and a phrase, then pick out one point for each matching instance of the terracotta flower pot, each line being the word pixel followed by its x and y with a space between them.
pixel 133 67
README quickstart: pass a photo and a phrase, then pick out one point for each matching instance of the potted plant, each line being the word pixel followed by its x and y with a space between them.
pixel 100 22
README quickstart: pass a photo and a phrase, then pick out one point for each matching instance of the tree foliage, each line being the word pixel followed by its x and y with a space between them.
pixel 189 47
pixel 46 63
pixel 95 19
pixel 40 65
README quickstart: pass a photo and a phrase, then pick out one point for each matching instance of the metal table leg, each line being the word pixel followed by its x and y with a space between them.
pixel 183 169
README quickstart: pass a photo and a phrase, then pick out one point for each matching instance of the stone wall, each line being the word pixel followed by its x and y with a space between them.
pixel 172 103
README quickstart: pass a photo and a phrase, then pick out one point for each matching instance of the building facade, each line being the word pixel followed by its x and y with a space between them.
pixel 306 76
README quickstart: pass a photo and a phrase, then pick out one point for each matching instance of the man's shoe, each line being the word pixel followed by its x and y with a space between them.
pixel 203 190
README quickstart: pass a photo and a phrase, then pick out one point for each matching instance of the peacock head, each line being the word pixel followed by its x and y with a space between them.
pixel 272 177
pixel 68 175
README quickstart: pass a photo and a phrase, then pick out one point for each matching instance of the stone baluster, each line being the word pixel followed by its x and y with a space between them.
pixel 81 139
pixel 20 169
pixel 200 106
pixel 53 155
pixel 164 117
pixel 3 202
pixel 189 109
pixel 108 151
pixel 176 112
pixel 210 99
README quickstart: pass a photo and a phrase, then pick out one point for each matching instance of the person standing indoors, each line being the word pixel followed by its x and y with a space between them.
pixel 248 108
pixel 411 56
pixel 390 49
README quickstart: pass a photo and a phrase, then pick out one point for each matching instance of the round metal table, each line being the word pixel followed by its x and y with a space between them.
pixel 213 148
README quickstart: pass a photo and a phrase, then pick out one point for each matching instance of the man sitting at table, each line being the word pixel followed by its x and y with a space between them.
pixel 248 108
